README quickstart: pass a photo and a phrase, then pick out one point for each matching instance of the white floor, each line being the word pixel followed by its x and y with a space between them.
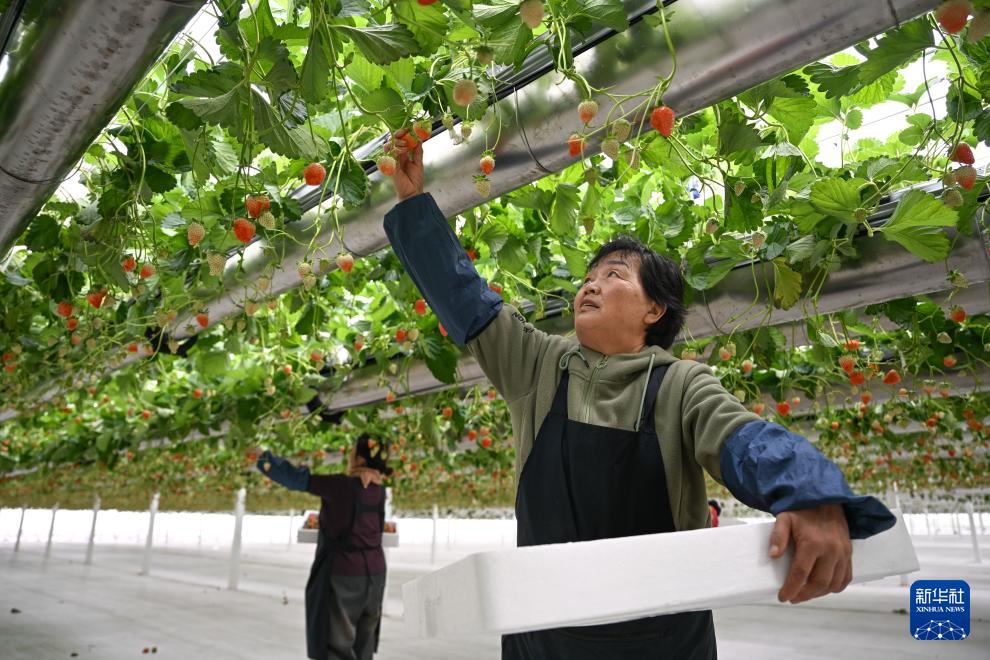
pixel 184 609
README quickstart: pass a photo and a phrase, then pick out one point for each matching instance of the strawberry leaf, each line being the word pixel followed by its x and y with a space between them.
pixel 838 198
pixel 917 224
pixel 381 44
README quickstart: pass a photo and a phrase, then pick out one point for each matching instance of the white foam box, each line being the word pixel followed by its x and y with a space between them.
pixel 593 582
pixel 313 535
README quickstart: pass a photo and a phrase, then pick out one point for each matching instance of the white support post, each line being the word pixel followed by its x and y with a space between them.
pixel 433 543
pixel 20 526
pixel 235 548
pixel 51 531
pixel 897 505
pixel 292 517
pixel 928 522
pixel 983 529
pixel 92 531
pixel 972 533
pixel 448 531
pixel 152 510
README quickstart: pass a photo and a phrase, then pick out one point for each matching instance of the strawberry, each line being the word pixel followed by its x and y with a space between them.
pixel 962 153
pixel 834 426
pixel 197 393
pixel 314 173
pixel 287 370
pixel 857 378
pixel 783 408
pixel 472 254
pixel 386 165
pixel 852 345
pixel 587 110
pixel 243 230
pixel 443 331
pixel 740 188
pixel 758 408
pixel 979 27
pixel 486 442
pixel 465 130
pixel 632 157
pixel 216 262
pixel 96 298
pixel 203 319
pixel 390 396
pixel 358 343
pixel 257 204
pixel 146 413
pixel 531 13
pixel 492 393
pixel 345 262
pixel 147 270
pixel 8 356
pixel 420 306
pixel 953 14
pixel 575 144
pixel 953 198
pixel 610 147
pixel 487 164
pixel 128 264
pixel 465 91
pixel 747 366
pixel 400 335
pixel 724 354
pixel 195 233
pixel 65 309
pixel 949 361
pixel 483 186
pixel 472 435
pixel 447 412
pixel 958 314
pixel 621 129
pixel 485 55
pixel 662 119
pixel 423 130
pixel 72 324
pixel 966 176
pixel 496 288
pixel 426 3
pixel 892 377
pixel 267 220
pixel 848 363
pixel 484 431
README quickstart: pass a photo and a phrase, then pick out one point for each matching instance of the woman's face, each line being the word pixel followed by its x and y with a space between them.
pixel 612 310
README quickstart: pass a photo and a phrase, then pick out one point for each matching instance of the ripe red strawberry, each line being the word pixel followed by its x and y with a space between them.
pixel 487 164
pixel 423 130
pixel 132 347
pixel 358 343
pixel 146 413
pixel 203 319
pixel 949 361
pixel 587 110
pixel 892 377
pixel 834 426
pixel 783 408
pixel 662 119
pixel 575 144
pixel 857 378
pixel 65 309
pixel 492 393
pixel 758 408
pixel 314 174
pixel 496 288
pixel 195 233
pixel 386 165
pixel 287 370
pixel 96 298
pixel 400 335
pixel 747 366
pixel 962 153
pixel 447 412
pixel 486 442
pixel 848 363
pixel 128 264
pixel 465 91
pixel 966 176
pixel 72 324
pixel 472 254
pixel 8 356
pixel 426 2
pixel 147 270
pixel 243 230
pixel 958 314
pixel 197 393
pixel 852 345
pixel 257 204
pixel 443 332
pixel 531 13
pixel 953 14
pixel 420 306
pixel 472 435
pixel 345 262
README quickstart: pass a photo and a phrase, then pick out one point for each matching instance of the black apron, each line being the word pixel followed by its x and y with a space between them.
pixel 318 588
pixel 583 482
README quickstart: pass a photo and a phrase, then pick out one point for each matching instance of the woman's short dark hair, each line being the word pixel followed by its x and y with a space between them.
pixel 374 453
pixel 662 282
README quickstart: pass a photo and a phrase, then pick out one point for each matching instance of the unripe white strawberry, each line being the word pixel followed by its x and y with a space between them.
pixel 952 198
pixel 979 26
pixel 485 55
pixel 758 240
pixel 531 13
pixel 587 110
pixel 621 129
pixel 414 334
pixel 483 186
pixel 448 122
pixel 711 226
pixel 309 282
pixel 267 220
pixel 303 269
pixel 264 282
pixel 465 91
pixel 216 262
pixel 465 130
pixel 740 188
pixel 610 147
pixel 195 233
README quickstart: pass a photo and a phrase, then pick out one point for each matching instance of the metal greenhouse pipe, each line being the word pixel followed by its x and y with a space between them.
pixel 723 47
pixel 69 65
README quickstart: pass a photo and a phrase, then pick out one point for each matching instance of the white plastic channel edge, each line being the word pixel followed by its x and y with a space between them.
pixel 574 584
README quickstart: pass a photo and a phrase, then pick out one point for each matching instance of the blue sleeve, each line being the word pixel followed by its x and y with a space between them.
pixel 767 467
pixel 283 472
pixel 441 270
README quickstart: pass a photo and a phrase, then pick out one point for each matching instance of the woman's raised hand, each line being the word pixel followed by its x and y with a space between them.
pixel 408 177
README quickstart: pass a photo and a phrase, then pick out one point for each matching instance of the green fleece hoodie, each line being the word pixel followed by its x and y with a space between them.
pixel 694 414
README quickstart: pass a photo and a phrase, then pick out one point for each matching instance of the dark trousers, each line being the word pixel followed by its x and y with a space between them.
pixel 355 616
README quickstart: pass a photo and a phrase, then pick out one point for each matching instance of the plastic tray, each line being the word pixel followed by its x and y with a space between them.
pixel 573 584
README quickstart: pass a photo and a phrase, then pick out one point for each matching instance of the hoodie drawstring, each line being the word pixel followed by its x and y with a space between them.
pixel 646 385
pixel 565 359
